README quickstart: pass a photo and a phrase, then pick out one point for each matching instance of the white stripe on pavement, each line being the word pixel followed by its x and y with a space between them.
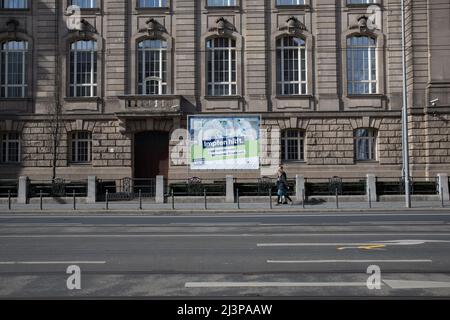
pixel 351 261
pixel 240 235
pixel 271 284
pixel 50 262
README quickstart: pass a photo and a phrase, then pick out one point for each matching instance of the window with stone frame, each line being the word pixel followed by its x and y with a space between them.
pixel 13 69
pixel 85 4
pixel 221 3
pixel 361 1
pixel 293 145
pixel 9 147
pixel 152 3
pixel 80 147
pixel 291 66
pixel 152 67
pixel 365 144
pixel 290 2
pixel 221 66
pixel 83 69
pixel 13 4
pixel 361 65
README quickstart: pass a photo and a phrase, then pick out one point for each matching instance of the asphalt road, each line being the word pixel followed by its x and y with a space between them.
pixel 270 255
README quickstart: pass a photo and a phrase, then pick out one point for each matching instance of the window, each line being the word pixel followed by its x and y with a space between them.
pixel 13 66
pixel 290 2
pixel 361 1
pixel 152 67
pixel 293 145
pixel 86 4
pixel 361 65
pixel 83 69
pixel 221 66
pixel 221 3
pixel 152 3
pixel 10 147
pixel 291 64
pixel 365 144
pixel 81 144
pixel 13 4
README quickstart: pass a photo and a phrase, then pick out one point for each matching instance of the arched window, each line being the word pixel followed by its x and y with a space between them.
pixel 83 69
pixel 13 69
pixel 291 64
pixel 221 66
pixel 361 65
pixel 293 145
pixel 80 147
pixel 152 67
pixel 365 144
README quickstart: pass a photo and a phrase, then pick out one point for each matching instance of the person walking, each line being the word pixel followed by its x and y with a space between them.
pixel 285 187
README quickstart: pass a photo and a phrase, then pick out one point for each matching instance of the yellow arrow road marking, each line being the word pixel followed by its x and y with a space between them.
pixel 365 247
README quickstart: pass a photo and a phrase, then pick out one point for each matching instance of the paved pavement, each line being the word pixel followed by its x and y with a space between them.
pixel 214 255
pixel 151 207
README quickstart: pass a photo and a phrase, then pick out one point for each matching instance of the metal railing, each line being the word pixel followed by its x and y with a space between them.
pixel 195 186
pixel 396 186
pixel 8 187
pixel 126 189
pixel 57 188
pixel 330 186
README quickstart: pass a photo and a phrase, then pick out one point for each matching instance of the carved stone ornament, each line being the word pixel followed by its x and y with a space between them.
pixel 362 23
pixel 153 28
pixel 223 26
pixel 293 26
pixel 12 25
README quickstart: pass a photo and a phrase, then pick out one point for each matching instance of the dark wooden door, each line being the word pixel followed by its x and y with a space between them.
pixel 151 154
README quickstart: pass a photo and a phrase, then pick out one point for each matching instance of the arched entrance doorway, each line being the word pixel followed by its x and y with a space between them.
pixel 151 154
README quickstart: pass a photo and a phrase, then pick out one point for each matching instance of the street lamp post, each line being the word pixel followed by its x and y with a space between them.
pixel 405 147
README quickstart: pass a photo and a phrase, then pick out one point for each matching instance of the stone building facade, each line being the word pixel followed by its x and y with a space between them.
pixel 118 122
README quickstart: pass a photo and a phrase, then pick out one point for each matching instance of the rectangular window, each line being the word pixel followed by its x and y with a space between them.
pixel 83 69
pixel 152 67
pixel 221 3
pixel 291 66
pixel 293 145
pixel 365 144
pixel 81 144
pixel 361 65
pixel 221 67
pixel 13 66
pixel 152 4
pixel 86 4
pixel 10 147
pixel 361 1
pixel 13 4
pixel 290 2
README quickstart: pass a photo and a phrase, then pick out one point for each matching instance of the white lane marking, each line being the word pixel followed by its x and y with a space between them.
pixel 50 262
pixel 396 222
pixel 340 244
pixel 271 284
pixel 237 235
pixel 351 261
pixel 412 284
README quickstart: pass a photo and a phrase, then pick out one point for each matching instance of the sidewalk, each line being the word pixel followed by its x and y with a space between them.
pixel 260 207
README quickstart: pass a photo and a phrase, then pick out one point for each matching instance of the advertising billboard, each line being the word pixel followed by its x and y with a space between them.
pixel 224 142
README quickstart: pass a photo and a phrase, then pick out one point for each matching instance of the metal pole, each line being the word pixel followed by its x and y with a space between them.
pixel 40 199
pixel 173 199
pixel 74 200
pixel 370 199
pixel 204 193
pixel 442 198
pixel 140 199
pixel 237 198
pixel 9 199
pixel 405 113
pixel 106 197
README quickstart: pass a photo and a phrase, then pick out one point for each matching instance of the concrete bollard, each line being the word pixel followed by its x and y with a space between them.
pixel 371 184
pixel 229 189
pixel 443 186
pixel 159 189
pixel 22 192
pixel 92 189
pixel 299 187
